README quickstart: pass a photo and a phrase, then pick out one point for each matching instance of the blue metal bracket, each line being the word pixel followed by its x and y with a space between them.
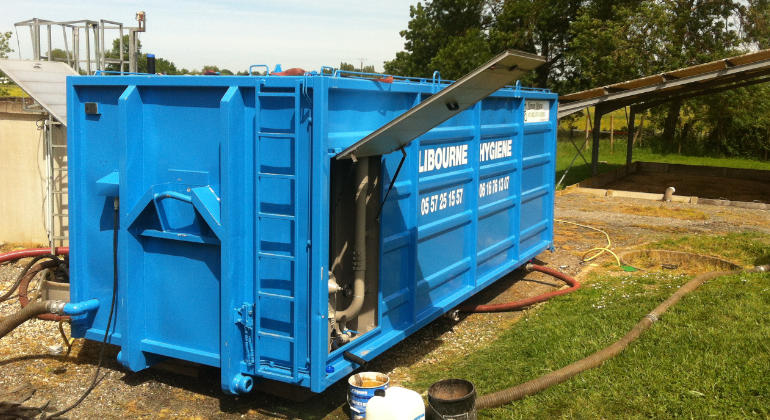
pixel 245 320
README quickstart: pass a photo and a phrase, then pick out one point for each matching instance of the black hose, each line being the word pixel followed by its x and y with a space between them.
pixel 15 285
pixel 96 379
pixel 10 322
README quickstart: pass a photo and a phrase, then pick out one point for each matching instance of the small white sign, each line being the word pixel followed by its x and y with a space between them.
pixel 536 111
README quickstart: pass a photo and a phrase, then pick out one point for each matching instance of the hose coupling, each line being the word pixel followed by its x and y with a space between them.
pixel 454 315
pixel 56 306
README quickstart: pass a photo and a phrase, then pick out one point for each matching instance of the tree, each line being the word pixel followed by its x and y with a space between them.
pixel 434 33
pixel 5 49
pixel 350 67
pixel 162 65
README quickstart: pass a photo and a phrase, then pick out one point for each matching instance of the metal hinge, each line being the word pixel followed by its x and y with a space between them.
pixel 245 320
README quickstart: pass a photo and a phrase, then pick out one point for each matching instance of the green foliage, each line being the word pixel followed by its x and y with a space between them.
pixel 5 49
pixel 589 43
pixel 431 29
pixel 350 67
pixel 162 65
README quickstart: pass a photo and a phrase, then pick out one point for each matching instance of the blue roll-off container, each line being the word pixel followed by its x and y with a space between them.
pixel 225 193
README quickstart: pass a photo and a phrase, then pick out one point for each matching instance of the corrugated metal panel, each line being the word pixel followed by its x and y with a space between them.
pixel 749 58
pixel 475 86
pixel 637 83
pixel 696 70
pixel 44 81
pixel 585 94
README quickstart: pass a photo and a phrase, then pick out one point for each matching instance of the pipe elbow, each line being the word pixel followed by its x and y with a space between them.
pixel 80 308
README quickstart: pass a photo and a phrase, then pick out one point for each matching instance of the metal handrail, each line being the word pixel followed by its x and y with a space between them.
pixel 267 69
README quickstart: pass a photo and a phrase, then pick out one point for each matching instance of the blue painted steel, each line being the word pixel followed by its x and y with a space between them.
pixel 224 207
pixel 80 308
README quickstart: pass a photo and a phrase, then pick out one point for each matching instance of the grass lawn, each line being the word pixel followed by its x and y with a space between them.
pixel 709 356
pixel 580 171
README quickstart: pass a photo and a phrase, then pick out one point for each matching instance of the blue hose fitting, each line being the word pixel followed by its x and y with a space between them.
pixel 242 384
pixel 79 308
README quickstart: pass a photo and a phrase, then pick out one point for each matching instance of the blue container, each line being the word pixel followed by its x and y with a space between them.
pixel 234 210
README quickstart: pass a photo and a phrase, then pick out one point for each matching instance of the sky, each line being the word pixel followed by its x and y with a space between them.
pixel 234 34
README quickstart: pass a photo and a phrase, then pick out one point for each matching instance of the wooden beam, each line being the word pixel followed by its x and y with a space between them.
pixel 630 145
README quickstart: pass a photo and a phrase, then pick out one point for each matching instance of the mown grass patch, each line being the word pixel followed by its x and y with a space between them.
pixel 662 210
pixel 565 151
pixel 748 248
pixel 709 356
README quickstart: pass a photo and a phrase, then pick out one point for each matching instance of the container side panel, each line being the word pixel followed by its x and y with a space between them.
pixel 94 150
pixel 498 190
pixel 353 114
pixel 536 186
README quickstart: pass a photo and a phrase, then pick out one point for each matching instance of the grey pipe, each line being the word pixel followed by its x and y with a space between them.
pixel 359 244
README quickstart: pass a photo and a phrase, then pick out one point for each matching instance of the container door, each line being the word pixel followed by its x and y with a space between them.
pixel 169 206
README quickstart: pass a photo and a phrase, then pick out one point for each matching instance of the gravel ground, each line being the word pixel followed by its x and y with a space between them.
pixel 30 357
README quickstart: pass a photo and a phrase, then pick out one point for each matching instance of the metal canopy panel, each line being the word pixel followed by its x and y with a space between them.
pixel 686 82
pixel 460 95
pixel 44 81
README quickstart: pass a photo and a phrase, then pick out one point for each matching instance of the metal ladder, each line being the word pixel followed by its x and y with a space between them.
pixel 57 215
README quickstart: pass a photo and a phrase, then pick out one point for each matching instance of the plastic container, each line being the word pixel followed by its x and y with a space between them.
pixel 453 399
pixel 361 388
pixel 397 404
pixel 230 222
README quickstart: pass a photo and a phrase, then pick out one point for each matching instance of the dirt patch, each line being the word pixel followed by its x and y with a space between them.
pixel 693 185
pixel 31 354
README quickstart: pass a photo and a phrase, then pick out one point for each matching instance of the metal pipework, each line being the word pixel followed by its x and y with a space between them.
pixel 359 243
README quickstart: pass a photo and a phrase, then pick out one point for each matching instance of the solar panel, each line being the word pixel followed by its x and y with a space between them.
pixel 460 95
pixel 44 81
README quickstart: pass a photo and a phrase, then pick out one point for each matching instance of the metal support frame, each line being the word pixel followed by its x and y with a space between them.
pixel 95 59
pixel 630 145
pixel 95 43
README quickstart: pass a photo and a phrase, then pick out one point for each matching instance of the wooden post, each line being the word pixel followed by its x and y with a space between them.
pixel 588 125
pixel 630 145
pixel 612 133
pixel 595 147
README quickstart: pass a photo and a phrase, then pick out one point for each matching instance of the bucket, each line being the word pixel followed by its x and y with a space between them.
pixel 452 399
pixel 361 387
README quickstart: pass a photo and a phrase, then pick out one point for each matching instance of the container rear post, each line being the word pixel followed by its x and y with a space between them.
pixel 236 356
